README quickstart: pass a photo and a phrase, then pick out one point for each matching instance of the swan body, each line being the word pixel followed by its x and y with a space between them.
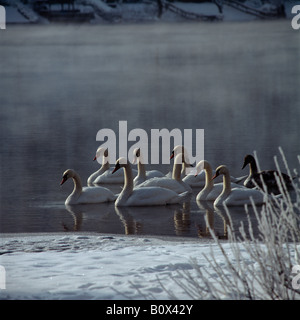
pixel 192 179
pixel 81 195
pixel 143 175
pixel 235 196
pixel 104 174
pixel 210 191
pixel 175 183
pixel 268 176
pixel 149 196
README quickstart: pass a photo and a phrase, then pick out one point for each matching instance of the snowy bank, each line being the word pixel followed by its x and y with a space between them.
pixel 92 266
pixel 80 266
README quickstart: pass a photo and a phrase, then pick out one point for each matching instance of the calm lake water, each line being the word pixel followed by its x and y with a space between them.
pixel 59 85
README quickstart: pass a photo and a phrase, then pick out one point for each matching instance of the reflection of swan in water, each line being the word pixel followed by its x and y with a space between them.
pixel 218 226
pixel 182 219
pixel 92 217
pixel 140 220
pixel 76 212
pixel 131 226
pixel 237 217
pixel 143 175
pixel 81 195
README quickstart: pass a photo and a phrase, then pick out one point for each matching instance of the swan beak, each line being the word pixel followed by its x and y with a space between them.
pixel 64 179
pixel 244 165
pixel 214 177
pixel 196 175
pixel 172 155
pixel 95 158
pixel 115 169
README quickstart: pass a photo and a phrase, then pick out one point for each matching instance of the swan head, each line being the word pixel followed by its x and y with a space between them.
pixel 247 160
pixel 101 152
pixel 180 159
pixel 202 165
pixel 120 163
pixel 66 175
pixel 221 170
pixel 136 155
pixel 177 150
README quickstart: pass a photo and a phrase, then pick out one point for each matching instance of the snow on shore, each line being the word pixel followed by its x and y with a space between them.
pixel 133 12
pixel 79 266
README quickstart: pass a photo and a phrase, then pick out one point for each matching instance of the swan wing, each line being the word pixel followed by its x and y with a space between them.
pixel 149 196
pixel 154 173
pixel 241 196
pixel 198 181
pixel 95 195
pixel 166 183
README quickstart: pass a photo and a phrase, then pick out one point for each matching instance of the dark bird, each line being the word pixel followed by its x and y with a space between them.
pixel 256 178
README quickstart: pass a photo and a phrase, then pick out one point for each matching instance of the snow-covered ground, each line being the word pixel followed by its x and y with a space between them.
pixel 133 12
pixel 90 266
pixel 94 266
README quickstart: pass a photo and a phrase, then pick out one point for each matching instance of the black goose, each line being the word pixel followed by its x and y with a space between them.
pixel 268 176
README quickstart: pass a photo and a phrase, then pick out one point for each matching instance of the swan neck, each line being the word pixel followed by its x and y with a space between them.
pixel 253 168
pixel 226 184
pixel 105 165
pixel 141 169
pixel 128 179
pixel 93 176
pixel 209 182
pixel 77 184
pixel 176 173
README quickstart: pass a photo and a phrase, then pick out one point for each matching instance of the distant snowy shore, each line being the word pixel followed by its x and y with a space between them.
pixel 18 12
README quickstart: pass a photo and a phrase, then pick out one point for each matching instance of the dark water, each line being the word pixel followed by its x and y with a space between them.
pixel 59 85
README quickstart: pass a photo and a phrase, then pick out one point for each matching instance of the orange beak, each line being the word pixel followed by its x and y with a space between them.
pixel 63 181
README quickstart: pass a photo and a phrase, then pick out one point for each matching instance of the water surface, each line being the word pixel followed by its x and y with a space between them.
pixel 61 84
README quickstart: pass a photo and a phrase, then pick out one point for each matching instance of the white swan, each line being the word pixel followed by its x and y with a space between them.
pixel 81 195
pixel 191 179
pixel 143 175
pixel 175 183
pixel 235 196
pixel 104 174
pixel 210 191
pixel 143 196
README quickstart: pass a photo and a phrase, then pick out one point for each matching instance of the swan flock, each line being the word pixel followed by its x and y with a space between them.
pixel 152 188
